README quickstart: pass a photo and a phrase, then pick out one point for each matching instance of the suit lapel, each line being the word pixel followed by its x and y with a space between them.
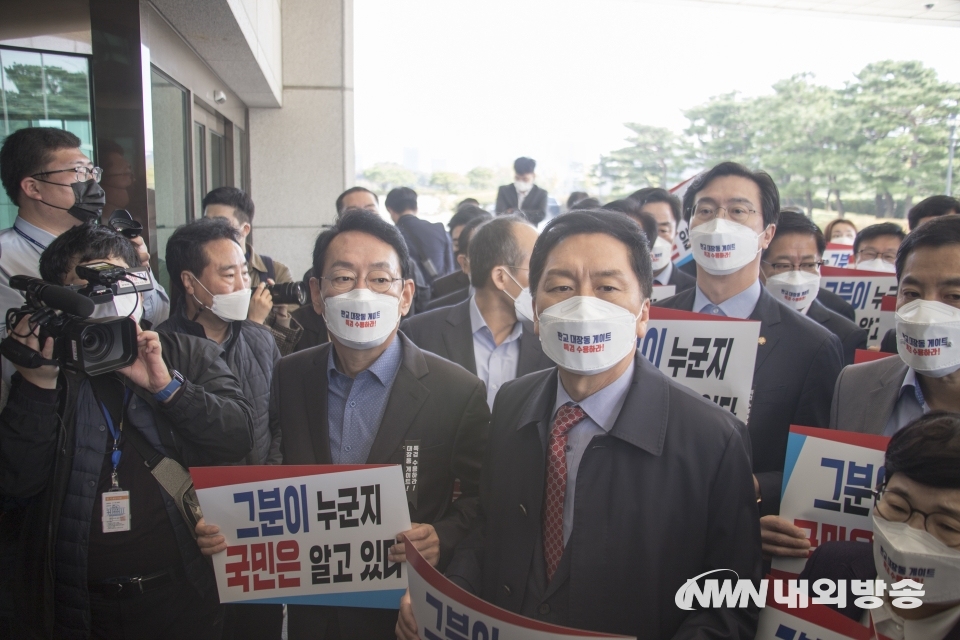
pixel 530 352
pixel 458 336
pixel 315 389
pixel 881 402
pixel 406 397
pixel 767 312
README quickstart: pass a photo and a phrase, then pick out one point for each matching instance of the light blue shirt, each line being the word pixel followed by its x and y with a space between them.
pixel 600 413
pixel 910 404
pixel 496 364
pixel 739 306
pixel 355 406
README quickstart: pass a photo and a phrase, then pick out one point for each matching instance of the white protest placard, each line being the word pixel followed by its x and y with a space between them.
pixel 838 255
pixel 662 292
pixel 443 610
pixel 311 534
pixel 682 252
pixel 864 290
pixel 814 622
pixel 712 355
pixel 828 482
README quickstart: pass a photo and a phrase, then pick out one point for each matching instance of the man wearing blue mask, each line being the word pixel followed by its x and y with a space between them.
pixel 606 485
pixel 491 333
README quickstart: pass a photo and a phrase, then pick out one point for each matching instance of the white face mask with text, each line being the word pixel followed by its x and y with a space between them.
pixel 361 319
pixel 587 335
pixel 723 247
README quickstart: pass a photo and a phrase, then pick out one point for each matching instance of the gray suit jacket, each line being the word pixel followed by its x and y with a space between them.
pixel 866 394
pixel 448 333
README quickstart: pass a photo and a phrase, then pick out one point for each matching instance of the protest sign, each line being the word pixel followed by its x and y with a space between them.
pixel 838 255
pixel 682 252
pixel 814 622
pixel 311 534
pixel 888 315
pixel 864 290
pixel 865 355
pixel 662 292
pixel 443 610
pixel 828 482
pixel 708 354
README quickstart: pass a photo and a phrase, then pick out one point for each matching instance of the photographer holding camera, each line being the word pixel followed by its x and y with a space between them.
pixel 275 295
pixel 106 547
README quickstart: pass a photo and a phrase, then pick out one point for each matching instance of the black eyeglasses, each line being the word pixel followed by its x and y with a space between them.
pixel 83 173
pixel 895 508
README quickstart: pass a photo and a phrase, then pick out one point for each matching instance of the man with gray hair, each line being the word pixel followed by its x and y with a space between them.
pixel 491 333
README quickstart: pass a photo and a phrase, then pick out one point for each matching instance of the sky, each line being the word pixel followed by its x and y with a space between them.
pixel 454 84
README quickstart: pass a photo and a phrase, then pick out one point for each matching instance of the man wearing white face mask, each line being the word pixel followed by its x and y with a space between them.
pixel 366 397
pixel 875 248
pixel 916 525
pixel 664 207
pixel 491 333
pixel 606 484
pixel 523 196
pixel 790 270
pixel 733 214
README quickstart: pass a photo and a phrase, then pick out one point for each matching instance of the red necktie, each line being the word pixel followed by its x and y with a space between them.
pixel 567 417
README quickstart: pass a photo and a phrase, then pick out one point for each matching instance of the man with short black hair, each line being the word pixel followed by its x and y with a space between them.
pixel 606 486
pixel 82 573
pixel 523 196
pixel 463 261
pixel 459 278
pixel 875 247
pixel 665 209
pixel 491 333
pixel 429 244
pixel 55 188
pixel 733 213
pixel 930 208
pixel 367 395
pixel 790 271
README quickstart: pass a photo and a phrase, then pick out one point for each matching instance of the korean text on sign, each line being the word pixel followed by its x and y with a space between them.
pixel 828 482
pixel 864 290
pixel 315 534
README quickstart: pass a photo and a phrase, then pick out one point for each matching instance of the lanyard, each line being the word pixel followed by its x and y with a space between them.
pixel 29 239
pixel 115 432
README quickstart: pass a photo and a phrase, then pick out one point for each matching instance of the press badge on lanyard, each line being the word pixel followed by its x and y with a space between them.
pixel 115 501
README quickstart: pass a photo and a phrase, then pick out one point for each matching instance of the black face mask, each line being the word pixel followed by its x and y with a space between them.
pixel 89 198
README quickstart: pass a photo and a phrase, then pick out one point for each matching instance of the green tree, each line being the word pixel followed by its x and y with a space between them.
pixel 481 178
pixel 723 129
pixel 901 130
pixel 388 175
pixel 448 181
pixel 655 157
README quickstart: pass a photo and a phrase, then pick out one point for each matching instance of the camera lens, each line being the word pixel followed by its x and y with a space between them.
pixel 97 343
pixel 288 293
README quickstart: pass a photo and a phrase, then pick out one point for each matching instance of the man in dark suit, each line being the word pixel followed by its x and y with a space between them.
pixel 790 270
pixel 523 196
pixel 491 333
pixel 798 361
pixel 429 245
pixel 606 485
pixel 922 466
pixel 467 218
pixel 838 305
pixel 368 394
pixel 665 209
pixel 463 259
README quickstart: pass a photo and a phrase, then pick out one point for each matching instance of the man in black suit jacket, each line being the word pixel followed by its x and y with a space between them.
pixel 429 245
pixel 368 394
pixel 798 361
pixel 790 269
pixel 460 279
pixel 523 196
pixel 664 208
pixel 837 304
pixel 485 334
pixel 922 476
pixel 606 486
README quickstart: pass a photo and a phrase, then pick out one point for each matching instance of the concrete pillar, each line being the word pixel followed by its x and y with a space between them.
pixel 302 154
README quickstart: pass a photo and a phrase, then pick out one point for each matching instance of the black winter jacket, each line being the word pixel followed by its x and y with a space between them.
pixel 209 423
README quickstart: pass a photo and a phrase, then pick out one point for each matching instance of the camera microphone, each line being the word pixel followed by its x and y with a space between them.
pixel 59 298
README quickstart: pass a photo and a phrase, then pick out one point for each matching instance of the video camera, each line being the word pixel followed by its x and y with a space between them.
pixel 80 343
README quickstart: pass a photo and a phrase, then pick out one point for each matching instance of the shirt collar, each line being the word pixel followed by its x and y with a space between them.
pixel 384 368
pixel 36 233
pixel 477 323
pixel 604 406
pixel 738 306
pixel 664 277
pixel 254 261
pixel 911 385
